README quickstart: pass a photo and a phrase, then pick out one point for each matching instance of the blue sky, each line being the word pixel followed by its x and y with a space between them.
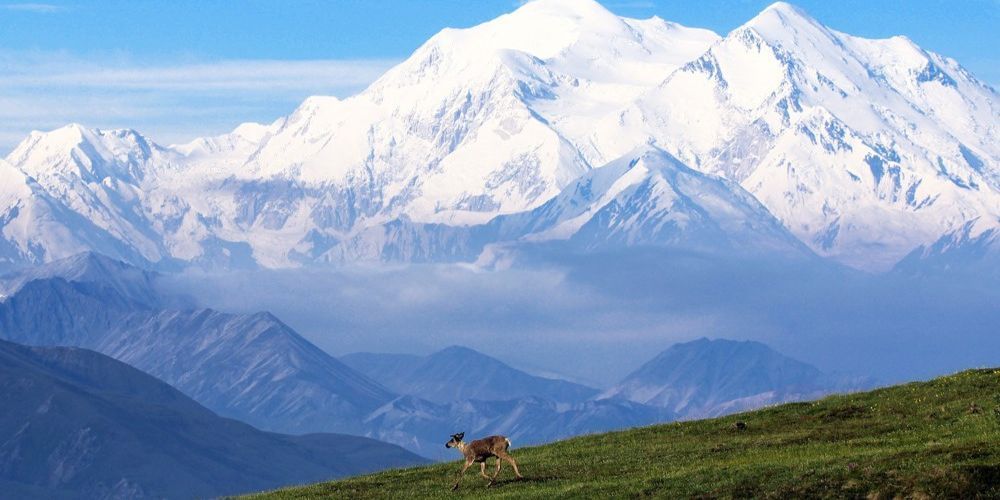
pixel 179 69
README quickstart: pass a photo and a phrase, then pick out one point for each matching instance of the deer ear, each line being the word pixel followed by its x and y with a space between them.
pixel 460 435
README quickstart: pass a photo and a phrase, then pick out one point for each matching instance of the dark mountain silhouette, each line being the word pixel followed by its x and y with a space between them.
pixel 79 424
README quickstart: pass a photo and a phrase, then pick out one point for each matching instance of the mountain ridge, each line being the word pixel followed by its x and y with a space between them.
pixel 78 423
pixel 707 378
pixel 255 368
pixel 458 373
pixel 864 150
pixel 250 366
pixel 818 125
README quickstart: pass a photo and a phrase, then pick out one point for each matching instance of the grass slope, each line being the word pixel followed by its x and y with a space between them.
pixel 939 438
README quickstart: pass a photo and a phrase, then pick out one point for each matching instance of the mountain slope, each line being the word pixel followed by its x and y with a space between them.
pixel 976 256
pixel 93 183
pixel 647 197
pixel 459 374
pixel 713 377
pixel 252 367
pixel 458 389
pixel 472 125
pixel 255 368
pixel 931 439
pixel 39 227
pixel 644 198
pixel 116 277
pixel 79 424
pixel 418 424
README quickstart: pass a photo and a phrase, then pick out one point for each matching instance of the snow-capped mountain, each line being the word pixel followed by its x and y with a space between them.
pixel 862 149
pixel 865 149
pixel 705 378
pixel 86 190
pixel 474 123
pixel 647 197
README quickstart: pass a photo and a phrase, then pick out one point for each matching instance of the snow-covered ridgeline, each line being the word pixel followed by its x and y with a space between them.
pixel 862 149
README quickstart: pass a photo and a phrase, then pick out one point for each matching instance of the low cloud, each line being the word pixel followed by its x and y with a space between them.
pixel 36 8
pixel 222 76
pixel 171 102
pixel 597 318
pixel 537 319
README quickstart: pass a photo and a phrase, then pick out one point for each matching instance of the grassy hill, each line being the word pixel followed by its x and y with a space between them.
pixel 929 439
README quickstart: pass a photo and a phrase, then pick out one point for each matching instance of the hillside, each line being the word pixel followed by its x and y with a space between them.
pixel 936 438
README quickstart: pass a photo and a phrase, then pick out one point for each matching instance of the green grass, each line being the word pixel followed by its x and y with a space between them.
pixel 936 439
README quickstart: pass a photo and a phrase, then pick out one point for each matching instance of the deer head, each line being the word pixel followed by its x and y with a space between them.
pixel 455 440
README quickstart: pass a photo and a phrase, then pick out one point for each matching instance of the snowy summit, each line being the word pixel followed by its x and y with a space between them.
pixel 783 135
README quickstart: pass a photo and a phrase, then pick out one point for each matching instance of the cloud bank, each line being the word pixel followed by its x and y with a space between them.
pixel 596 318
pixel 36 8
pixel 170 102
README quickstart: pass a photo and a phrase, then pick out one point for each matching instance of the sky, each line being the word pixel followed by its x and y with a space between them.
pixel 181 69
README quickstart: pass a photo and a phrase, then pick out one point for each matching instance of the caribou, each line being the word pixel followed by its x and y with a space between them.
pixel 479 451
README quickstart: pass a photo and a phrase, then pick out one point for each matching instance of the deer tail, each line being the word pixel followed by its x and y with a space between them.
pixel 508 442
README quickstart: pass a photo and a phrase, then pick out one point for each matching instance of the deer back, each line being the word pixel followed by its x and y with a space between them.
pixel 487 447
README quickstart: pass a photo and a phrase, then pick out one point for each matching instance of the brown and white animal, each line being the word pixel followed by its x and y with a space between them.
pixel 480 450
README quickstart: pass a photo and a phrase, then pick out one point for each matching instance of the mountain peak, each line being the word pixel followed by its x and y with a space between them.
pixel 786 12
pixel 576 9
pixel 442 377
pixel 94 269
pixel 461 352
pixel 705 344
pixel 69 135
pixel 785 9
pixel 75 133
pixel 707 377
pixel 542 28
pixel 90 153
pixel 782 22
pixel 251 131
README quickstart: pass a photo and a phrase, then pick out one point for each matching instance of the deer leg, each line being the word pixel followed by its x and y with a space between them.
pixel 513 464
pixel 482 472
pixel 465 467
pixel 497 473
